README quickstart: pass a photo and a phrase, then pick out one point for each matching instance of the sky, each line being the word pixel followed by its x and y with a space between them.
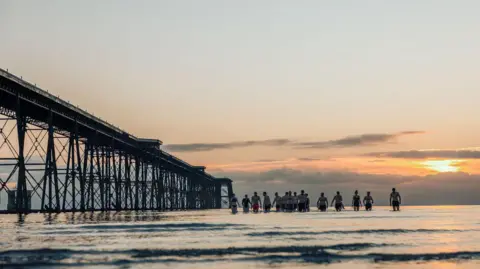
pixel 277 95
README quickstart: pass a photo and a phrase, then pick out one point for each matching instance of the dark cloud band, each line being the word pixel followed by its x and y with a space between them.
pixel 349 141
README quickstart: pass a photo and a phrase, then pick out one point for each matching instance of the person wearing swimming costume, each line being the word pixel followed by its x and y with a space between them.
pixel 368 202
pixel 395 200
pixel 246 204
pixel 322 203
pixel 301 201
pixel 234 203
pixel 276 202
pixel 295 201
pixel 256 202
pixel 290 206
pixel 284 202
pixel 307 203
pixel 267 205
pixel 338 202
pixel 356 201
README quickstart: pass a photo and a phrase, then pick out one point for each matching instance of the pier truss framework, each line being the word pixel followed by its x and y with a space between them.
pixel 55 157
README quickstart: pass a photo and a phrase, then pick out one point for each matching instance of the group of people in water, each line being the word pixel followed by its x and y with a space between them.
pixel 301 202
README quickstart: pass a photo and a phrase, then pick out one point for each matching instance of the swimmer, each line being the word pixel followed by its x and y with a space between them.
pixel 234 203
pixel 295 201
pixel 338 202
pixel 284 202
pixel 322 202
pixel 290 207
pixel 307 203
pixel 246 204
pixel 267 205
pixel 256 202
pixel 277 202
pixel 301 201
pixel 356 201
pixel 368 202
pixel 395 200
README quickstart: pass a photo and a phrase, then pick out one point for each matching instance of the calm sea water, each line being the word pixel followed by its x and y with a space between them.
pixel 416 237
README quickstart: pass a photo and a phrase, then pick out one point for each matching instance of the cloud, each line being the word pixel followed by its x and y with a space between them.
pixel 230 145
pixel 426 154
pixel 349 141
pixel 444 188
pixel 358 140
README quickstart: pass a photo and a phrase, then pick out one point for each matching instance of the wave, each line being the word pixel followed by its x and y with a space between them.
pixel 374 231
pixel 279 254
pixel 161 226
pixel 165 227
pixel 192 251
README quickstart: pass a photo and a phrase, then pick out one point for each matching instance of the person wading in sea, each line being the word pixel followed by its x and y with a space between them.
pixel 395 200
pixel 267 205
pixel 277 202
pixel 233 204
pixel 368 202
pixel 356 201
pixel 290 206
pixel 338 201
pixel 284 202
pixel 322 203
pixel 301 201
pixel 307 203
pixel 246 204
pixel 256 202
pixel 295 201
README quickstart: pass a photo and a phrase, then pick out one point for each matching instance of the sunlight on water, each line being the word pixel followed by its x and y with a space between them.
pixel 417 237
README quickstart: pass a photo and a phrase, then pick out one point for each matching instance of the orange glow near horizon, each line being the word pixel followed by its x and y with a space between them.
pixel 442 166
pixel 403 167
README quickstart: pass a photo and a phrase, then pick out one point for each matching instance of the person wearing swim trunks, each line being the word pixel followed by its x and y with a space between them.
pixel 356 201
pixel 322 202
pixel 290 206
pixel 256 202
pixel 368 202
pixel 295 201
pixel 276 202
pixel 246 204
pixel 395 200
pixel 301 201
pixel 284 202
pixel 307 203
pixel 338 199
pixel 267 205
pixel 233 204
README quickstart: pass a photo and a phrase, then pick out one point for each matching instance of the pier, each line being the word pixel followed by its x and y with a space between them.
pixel 56 157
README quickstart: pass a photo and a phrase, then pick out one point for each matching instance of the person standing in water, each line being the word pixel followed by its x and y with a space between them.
pixel 307 203
pixel 246 204
pixel 256 202
pixel 395 200
pixel 356 201
pixel 290 206
pixel 276 202
pixel 267 205
pixel 338 199
pixel 233 204
pixel 284 202
pixel 301 201
pixel 295 201
pixel 322 203
pixel 368 202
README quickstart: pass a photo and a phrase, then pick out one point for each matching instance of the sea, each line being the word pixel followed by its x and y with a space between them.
pixel 416 237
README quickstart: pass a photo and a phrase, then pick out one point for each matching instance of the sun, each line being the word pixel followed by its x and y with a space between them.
pixel 442 166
